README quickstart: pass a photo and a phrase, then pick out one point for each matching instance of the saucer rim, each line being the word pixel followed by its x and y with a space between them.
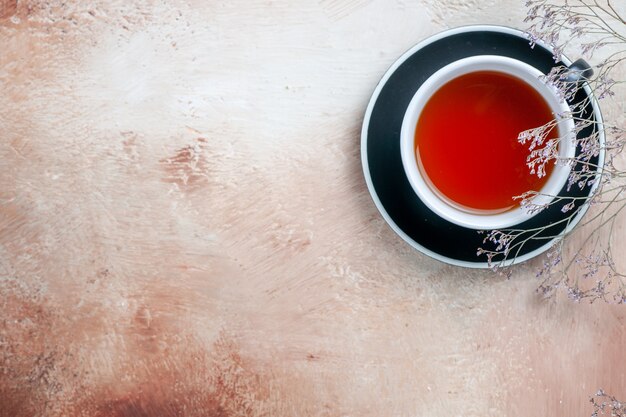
pixel 365 162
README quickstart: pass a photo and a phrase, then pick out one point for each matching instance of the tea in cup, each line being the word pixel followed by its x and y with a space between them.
pixel 459 141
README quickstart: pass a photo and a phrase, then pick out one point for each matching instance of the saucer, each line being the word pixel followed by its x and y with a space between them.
pixel 386 180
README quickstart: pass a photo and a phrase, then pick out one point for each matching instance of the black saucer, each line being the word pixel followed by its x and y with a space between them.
pixel 380 147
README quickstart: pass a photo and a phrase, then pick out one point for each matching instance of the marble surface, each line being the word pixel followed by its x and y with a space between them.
pixel 185 229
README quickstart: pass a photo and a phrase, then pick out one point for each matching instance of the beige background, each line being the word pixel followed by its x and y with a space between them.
pixel 185 229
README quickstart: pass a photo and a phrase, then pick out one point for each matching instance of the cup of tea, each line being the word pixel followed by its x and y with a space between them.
pixel 459 141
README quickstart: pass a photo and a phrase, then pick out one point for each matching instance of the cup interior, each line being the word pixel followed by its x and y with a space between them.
pixel 421 184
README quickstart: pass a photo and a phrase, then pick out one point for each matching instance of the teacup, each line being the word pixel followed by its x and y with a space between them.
pixel 442 160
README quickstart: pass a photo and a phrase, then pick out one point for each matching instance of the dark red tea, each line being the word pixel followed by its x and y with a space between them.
pixel 466 139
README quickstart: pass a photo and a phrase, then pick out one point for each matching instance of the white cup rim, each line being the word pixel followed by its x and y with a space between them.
pixel 472 219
